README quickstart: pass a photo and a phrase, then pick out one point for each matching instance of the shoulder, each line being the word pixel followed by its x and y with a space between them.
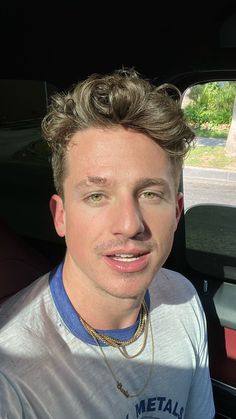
pixel 172 286
pixel 174 295
pixel 20 309
pixel 26 323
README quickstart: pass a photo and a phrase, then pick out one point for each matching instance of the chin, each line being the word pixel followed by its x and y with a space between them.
pixel 130 287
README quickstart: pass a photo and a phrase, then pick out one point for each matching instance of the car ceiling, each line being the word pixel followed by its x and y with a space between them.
pixel 68 40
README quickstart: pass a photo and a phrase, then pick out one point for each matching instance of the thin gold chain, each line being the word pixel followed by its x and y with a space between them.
pixel 117 343
pixel 145 319
pixel 119 385
pixel 123 349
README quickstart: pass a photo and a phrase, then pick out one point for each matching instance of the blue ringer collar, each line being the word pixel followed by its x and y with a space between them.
pixel 70 316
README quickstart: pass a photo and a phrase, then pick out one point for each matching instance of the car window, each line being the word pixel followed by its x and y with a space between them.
pixel 209 179
pixel 25 172
pixel 22 107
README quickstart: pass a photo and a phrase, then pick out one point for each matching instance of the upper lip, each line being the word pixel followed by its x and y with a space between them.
pixel 133 252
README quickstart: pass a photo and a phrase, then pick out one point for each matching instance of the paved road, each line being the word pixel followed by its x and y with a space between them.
pixel 209 186
pixel 213 142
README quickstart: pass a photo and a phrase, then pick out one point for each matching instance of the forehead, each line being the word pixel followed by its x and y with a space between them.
pixel 115 152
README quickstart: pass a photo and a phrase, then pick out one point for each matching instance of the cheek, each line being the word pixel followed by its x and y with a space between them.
pixel 82 229
pixel 163 220
pixel 165 234
pixel 78 243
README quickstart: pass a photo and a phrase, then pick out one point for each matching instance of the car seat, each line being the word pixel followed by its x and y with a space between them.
pixel 20 264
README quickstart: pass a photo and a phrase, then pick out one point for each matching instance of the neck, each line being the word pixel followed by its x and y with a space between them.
pixel 99 309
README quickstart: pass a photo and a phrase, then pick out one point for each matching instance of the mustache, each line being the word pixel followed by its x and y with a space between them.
pixel 114 245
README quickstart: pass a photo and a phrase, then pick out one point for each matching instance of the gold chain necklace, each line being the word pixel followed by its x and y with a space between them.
pixel 118 343
pixel 119 385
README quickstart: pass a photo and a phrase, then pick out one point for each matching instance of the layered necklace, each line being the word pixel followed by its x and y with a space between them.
pixel 144 325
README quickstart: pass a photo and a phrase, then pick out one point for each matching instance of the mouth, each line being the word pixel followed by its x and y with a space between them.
pixel 127 262
pixel 126 257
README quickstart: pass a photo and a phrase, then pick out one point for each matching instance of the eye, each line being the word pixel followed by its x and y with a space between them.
pixel 150 195
pixel 95 197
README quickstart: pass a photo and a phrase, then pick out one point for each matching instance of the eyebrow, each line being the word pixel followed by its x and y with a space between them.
pixel 142 183
pixel 96 180
pixel 145 182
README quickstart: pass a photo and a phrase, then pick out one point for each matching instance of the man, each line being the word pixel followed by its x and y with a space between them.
pixel 110 333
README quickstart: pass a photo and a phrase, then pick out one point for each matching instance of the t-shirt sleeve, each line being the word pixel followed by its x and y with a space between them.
pixel 200 401
pixel 10 406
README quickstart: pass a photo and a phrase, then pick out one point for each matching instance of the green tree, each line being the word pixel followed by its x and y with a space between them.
pixel 211 103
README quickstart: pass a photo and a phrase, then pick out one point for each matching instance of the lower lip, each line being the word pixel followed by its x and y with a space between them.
pixel 134 266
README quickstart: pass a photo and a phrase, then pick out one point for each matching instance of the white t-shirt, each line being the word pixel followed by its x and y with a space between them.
pixel 50 367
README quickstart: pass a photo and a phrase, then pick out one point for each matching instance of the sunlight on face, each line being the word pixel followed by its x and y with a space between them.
pixel 119 213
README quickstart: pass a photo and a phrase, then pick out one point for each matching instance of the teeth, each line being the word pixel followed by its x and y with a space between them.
pixel 124 255
pixel 122 259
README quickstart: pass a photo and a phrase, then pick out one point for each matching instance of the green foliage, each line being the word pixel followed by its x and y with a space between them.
pixel 211 103
pixel 214 131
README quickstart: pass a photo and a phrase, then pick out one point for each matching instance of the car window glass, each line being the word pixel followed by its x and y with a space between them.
pixel 209 179
pixel 25 171
pixel 22 107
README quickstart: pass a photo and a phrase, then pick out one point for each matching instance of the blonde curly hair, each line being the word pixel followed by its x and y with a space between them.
pixel 122 98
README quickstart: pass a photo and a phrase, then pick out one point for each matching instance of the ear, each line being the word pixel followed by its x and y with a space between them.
pixel 179 207
pixel 58 214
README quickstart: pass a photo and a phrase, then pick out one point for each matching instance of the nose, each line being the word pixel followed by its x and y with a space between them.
pixel 127 218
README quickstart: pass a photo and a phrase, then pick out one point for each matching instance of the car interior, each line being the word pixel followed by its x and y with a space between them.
pixel 45 50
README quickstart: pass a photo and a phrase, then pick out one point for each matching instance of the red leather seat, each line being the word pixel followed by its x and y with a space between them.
pixel 20 264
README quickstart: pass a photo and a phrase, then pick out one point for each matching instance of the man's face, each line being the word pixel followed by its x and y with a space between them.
pixel 120 211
